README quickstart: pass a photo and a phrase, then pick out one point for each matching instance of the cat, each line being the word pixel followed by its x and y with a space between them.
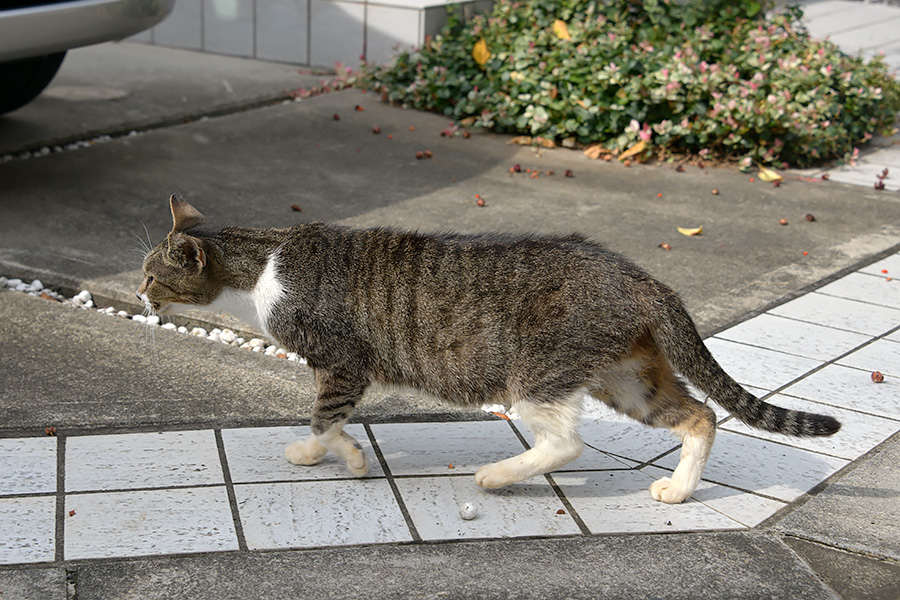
pixel 528 321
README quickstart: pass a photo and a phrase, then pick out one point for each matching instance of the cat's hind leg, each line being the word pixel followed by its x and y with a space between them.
pixel 556 443
pixel 336 399
pixel 651 393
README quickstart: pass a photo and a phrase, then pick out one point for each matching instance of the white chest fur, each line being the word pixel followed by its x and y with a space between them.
pixel 254 306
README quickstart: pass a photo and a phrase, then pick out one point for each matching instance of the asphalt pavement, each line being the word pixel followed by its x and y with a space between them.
pixel 225 134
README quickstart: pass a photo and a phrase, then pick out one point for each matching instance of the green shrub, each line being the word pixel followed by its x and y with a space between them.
pixel 699 77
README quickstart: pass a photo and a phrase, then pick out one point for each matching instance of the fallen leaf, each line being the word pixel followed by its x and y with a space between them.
pixel 636 149
pixel 296 208
pixel 468 121
pixel 501 415
pixel 560 29
pixel 450 466
pixel 522 140
pixel 768 174
pixel 596 151
pixel 480 52
pixel 545 142
pixel 690 231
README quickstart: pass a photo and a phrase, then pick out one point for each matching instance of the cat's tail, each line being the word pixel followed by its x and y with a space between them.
pixel 676 335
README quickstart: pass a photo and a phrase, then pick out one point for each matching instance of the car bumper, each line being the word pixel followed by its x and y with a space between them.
pixel 51 28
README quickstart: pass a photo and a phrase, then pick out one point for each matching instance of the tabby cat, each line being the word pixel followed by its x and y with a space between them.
pixel 528 321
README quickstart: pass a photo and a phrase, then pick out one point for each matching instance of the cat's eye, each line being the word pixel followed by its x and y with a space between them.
pixel 149 279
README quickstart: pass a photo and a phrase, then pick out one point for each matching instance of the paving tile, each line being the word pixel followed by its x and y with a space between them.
pixel 336 32
pixel 763 467
pixel 148 522
pixel 850 388
pixel 28 466
pixel 282 31
pixel 883 355
pixel 859 286
pixel 745 508
pixel 142 460
pixel 828 23
pixel 759 367
pixel 620 502
pixel 256 454
pixel 183 28
pixel 320 513
pixel 529 508
pixel 389 29
pixel 794 337
pixel 429 448
pixel 840 313
pixel 228 27
pixel 590 458
pixel 894 337
pixel 629 439
pixel 859 432
pixel 27 529
pixel 891 264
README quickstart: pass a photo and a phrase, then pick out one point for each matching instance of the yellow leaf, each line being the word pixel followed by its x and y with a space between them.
pixel 596 151
pixel 560 29
pixel 545 142
pixel 690 231
pixel 522 140
pixel 468 121
pixel 636 149
pixel 768 174
pixel 480 52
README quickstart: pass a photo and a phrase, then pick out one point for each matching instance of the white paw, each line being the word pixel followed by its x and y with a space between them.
pixel 358 465
pixel 493 476
pixel 665 490
pixel 305 452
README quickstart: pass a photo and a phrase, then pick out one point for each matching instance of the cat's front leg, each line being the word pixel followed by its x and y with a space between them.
pixel 336 399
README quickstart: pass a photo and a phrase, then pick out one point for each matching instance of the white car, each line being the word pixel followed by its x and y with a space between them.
pixel 35 35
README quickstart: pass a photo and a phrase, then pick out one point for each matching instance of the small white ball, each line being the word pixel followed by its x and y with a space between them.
pixel 468 511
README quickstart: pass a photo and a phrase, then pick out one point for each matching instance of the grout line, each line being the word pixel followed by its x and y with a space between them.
pixel 229 490
pixel 60 498
pixel 816 323
pixel 413 531
pixel 570 510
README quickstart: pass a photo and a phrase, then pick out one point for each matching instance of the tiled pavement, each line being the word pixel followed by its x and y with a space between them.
pixel 867 30
pixel 174 492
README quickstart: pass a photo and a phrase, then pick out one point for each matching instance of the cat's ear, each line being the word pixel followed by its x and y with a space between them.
pixel 184 216
pixel 187 251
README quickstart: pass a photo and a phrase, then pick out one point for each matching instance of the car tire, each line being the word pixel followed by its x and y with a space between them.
pixel 22 80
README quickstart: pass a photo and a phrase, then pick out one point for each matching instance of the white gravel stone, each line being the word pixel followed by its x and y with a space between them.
pixel 36 286
pixel 139 318
pixel 227 336
pixel 182 329
pixel 13 283
pixel 122 313
pixel 169 326
pixel 199 332
pixel 257 343
pixel 153 320
pixel 468 511
pixel 3 281
pixel 83 297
